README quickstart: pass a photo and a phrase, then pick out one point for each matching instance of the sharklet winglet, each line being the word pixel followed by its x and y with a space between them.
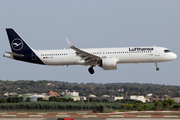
pixel 68 42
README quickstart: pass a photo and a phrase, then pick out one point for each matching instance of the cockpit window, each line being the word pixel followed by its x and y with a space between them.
pixel 166 51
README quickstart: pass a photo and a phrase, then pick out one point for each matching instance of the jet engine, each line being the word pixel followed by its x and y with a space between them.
pixel 109 63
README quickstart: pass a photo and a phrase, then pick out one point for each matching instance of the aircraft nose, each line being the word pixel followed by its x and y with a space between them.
pixel 174 56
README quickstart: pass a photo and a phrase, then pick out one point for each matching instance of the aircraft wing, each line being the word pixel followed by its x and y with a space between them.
pixel 88 57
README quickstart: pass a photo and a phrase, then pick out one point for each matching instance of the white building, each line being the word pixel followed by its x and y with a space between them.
pixel 176 99
pixel 74 95
pixel 82 98
pixel 135 97
pixel 105 97
pixel 149 95
pixel 71 93
pixel 10 94
pixel 92 96
pixel 35 97
pixel 114 98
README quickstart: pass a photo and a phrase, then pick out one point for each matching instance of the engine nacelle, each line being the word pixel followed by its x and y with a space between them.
pixel 109 63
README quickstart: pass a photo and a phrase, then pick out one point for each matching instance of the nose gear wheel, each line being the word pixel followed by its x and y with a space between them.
pixel 157 68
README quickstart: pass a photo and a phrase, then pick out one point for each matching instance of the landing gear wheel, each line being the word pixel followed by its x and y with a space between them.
pixel 157 69
pixel 91 70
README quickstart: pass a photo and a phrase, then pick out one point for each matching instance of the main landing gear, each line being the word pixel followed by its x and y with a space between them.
pixel 157 68
pixel 91 70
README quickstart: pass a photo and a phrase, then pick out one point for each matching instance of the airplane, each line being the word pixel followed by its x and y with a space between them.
pixel 106 58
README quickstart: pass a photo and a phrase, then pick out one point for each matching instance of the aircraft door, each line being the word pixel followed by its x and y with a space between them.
pixel 71 55
pixel 33 56
pixel 102 53
pixel 157 51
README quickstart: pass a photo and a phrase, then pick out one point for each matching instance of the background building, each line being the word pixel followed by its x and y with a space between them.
pixel 176 99
pixel 135 97
pixel 51 93
pixel 74 95
pixel 35 97
pixel 104 97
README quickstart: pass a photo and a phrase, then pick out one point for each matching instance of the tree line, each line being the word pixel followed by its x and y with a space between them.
pixel 98 89
pixel 95 106
pixel 91 104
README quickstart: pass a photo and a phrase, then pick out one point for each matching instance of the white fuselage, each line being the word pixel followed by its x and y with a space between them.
pixel 123 55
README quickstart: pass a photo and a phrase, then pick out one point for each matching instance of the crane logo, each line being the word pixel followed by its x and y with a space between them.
pixel 17 44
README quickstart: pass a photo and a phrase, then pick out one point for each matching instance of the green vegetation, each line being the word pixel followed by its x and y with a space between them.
pixel 63 103
pixel 16 103
pixel 101 108
pixel 28 99
pixel 112 89
pixel 14 99
pixel 57 105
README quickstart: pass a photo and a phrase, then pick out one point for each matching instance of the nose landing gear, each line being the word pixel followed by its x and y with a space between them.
pixel 91 70
pixel 157 68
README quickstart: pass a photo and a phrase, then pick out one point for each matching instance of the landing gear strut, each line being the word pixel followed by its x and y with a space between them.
pixel 157 68
pixel 91 70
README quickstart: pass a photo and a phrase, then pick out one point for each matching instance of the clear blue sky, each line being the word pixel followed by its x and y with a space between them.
pixel 91 24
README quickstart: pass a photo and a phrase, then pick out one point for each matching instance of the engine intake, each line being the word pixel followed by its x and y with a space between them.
pixel 109 63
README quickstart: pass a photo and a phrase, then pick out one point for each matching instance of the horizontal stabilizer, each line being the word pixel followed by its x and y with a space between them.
pixel 15 54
